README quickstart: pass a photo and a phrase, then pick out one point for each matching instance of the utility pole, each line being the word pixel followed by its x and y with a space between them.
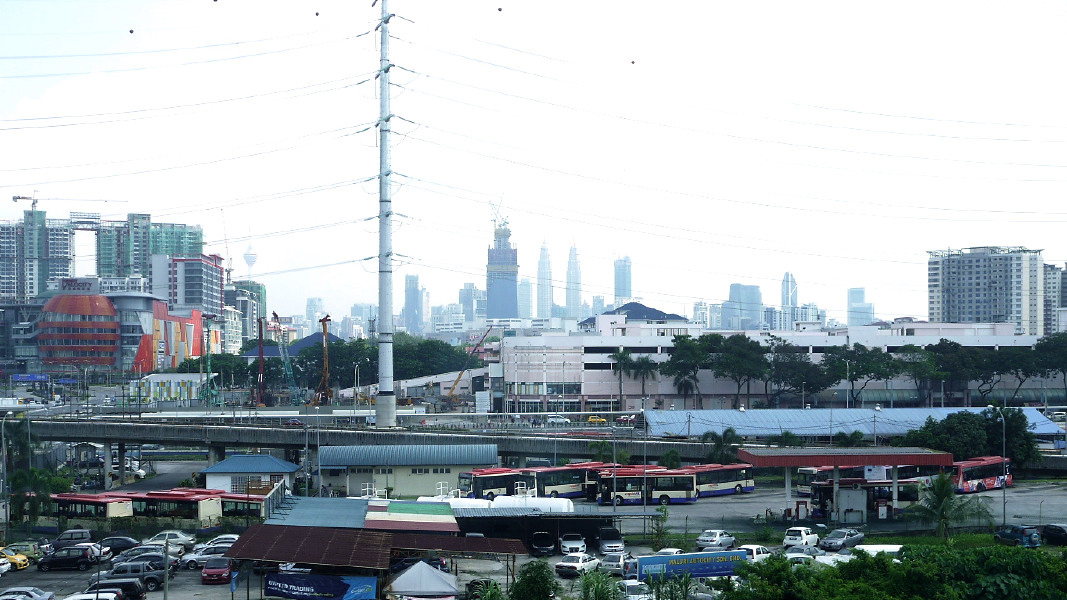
pixel 385 405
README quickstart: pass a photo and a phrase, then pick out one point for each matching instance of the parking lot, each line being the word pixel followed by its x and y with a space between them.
pixel 184 586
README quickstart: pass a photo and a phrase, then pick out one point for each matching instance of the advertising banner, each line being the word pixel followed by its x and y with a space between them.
pixel 697 564
pixel 304 586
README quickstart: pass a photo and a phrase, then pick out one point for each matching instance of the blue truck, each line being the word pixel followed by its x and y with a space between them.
pixel 697 564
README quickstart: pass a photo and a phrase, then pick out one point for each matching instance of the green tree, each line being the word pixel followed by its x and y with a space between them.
pixel 31 493
pixel 988 370
pixel 685 362
pixel 487 589
pixel 849 440
pixel 644 368
pixel 742 360
pixel 918 365
pixel 787 439
pixel 622 364
pixel 671 459
pixel 1021 362
pixel 252 345
pixel 535 581
pixel 855 363
pixel 723 445
pixel 605 451
pixel 962 434
pixel 660 531
pixel 1051 353
pixel 940 505
pixel 954 363
pixel 1014 434
pixel 596 585
pixel 791 371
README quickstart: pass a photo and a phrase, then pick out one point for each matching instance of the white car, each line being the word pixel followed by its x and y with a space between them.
pixel 174 537
pixel 196 559
pixel 96 551
pixel 557 420
pixel 226 538
pixel 755 553
pixel 5 564
pixel 796 536
pixel 632 589
pixel 668 551
pixel 715 538
pixel 570 543
pixel 576 564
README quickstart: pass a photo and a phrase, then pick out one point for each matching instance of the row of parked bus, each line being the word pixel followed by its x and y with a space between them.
pixel 608 483
pixel 972 475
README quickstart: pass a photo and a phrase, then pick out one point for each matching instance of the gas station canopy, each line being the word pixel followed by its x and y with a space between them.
pixel 842 457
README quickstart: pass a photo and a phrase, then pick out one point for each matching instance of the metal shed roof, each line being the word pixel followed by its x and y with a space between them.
pixel 252 463
pixel 314 546
pixel 816 421
pixel 335 457
pixel 820 457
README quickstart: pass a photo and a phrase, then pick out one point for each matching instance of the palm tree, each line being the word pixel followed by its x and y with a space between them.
pixel 939 504
pixel 723 446
pixel 30 494
pixel 622 364
pixel 684 385
pixel 644 368
pixel 849 440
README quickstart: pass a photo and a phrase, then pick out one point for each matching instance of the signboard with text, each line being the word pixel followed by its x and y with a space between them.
pixel 697 564
pixel 28 377
pixel 305 586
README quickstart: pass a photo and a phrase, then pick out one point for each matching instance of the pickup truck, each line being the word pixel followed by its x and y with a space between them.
pixel 150 576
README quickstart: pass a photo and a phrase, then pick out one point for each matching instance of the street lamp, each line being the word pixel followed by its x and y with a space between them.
pixel 3 471
pixel 848 379
pixel 1004 462
pixel 877 409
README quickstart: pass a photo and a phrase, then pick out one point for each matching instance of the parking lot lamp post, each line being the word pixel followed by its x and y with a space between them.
pixel 1004 462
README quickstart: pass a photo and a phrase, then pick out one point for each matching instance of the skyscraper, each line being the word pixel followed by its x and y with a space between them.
pixel 31 252
pixel 989 284
pixel 624 290
pixel 314 310
pixel 502 276
pixel 860 312
pixel 544 285
pixel 525 298
pixel 125 248
pixel 412 304
pixel 574 285
pixel 746 302
pixel 789 299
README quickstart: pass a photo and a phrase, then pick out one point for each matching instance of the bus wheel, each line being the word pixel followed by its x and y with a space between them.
pixel 738 489
pixel 618 500
pixel 554 494
pixel 665 500
pixel 490 496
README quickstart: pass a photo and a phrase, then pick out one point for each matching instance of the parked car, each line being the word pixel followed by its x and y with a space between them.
pixel 30 549
pixel 557 420
pixel 805 550
pixel 577 563
pixel 570 543
pixel 542 544
pixel 114 594
pixel 295 423
pixel 227 539
pixel 632 589
pixel 147 572
pixel 97 552
pixel 596 420
pixel 132 589
pixel 136 551
pixel 174 537
pixel 155 558
pixel 668 551
pixel 755 553
pixel 119 543
pixel 615 562
pixel 1055 533
pixel 174 550
pixel 1026 536
pixel 795 536
pixel 195 560
pixel 27 593
pixel 841 538
pixel 73 557
pixel 626 420
pixel 715 538
pixel 18 561
pixel 71 537
pixel 217 570
pixel 610 540
pixel 5 564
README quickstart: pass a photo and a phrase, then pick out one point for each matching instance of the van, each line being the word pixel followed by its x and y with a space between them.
pixel 132 589
pixel 71 537
pixel 610 540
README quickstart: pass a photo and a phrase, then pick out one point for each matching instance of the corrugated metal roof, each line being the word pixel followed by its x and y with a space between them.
pixel 339 457
pixel 763 423
pixel 314 546
pixel 416 541
pixel 348 513
pixel 252 463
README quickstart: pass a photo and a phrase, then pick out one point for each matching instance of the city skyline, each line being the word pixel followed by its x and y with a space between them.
pixel 724 149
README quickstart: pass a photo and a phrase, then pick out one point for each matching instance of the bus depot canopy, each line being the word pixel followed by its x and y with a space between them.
pixel 841 457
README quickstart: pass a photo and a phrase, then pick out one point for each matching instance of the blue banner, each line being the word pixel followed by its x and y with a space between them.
pixel 697 564
pixel 30 377
pixel 302 586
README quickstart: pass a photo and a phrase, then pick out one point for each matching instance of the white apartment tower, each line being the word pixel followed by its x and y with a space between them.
pixel 988 284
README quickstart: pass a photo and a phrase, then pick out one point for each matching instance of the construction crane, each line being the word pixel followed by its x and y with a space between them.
pixel 287 365
pixel 323 393
pixel 449 397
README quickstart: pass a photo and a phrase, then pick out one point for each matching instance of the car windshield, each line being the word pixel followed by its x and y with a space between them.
pixel 638 588
pixel 8 552
pixel 571 559
pixel 795 532
pixel 572 537
pixel 217 563
pixel 835 534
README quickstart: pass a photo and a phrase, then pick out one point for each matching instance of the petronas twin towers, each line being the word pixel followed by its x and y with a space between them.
pixel 546 307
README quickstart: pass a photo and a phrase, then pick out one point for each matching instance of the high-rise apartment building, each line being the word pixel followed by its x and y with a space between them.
pixel 412 304
pixel 745 307
pixel 125 248
pixel 189 283
pixel 544 285
pixel 525 298
pixel 1051 298
pixel 574 285
pixel 988 284
pixel 502 276
pixel 598 306
pixel 624 290
pixel 32 251
pixel 860 312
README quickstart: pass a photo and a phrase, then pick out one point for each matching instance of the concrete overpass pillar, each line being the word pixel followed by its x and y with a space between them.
pixel 109 472
pixel 215 454
pixel 122 463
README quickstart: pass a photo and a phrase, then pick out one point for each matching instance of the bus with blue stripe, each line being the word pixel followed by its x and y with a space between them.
pixel 721 480
pixel 647 485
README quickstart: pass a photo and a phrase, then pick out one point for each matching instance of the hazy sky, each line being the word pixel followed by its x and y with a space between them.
pixel 711 142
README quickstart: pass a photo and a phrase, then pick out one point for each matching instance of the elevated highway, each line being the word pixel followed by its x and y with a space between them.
pixel 217 439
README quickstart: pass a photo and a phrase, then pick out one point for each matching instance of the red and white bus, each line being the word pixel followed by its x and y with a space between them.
pixel 647 485
pixel 492 482
pixel 589 471
pixel 981 473
pixel 719 480
pixel 556 482
pixel 806 476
